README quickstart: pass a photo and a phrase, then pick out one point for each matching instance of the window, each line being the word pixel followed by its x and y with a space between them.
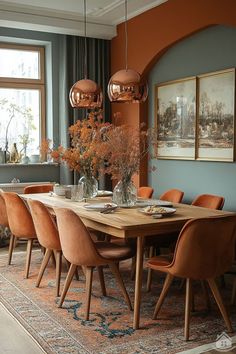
pixel 22 98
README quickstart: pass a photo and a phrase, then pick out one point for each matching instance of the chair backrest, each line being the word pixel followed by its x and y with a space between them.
pixel 19 217
pixel 205 248
pixel 45 225
pixel 145 192
pixel 38 188
pixel 210 201
pixel 3 212
pixel 172 195
pixel 76 243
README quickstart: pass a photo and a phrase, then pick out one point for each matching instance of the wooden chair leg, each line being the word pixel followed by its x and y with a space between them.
pixel 28 256
pixel 133 268
pixel 116 272
pixel 11 247
pixel 187 308
pixel 84 270
pixel 233 292
pixel 89 278
pixel 54 262
pixel 166 286
pixel 58 271
pixel 43 266
pixel 76 271
pixel 220 304
pixel 69 278
pixel 102 282
pixel 206 295
pixel 149 276
pixel 15 243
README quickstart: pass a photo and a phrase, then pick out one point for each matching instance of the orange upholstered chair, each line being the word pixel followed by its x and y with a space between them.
pixel 3 211
pixel 145 192
pixel 48 237
pixel 21 225
pixel 38 188
pixel 210 201
pixel 172 195
pixel 204 251
pixel 80 250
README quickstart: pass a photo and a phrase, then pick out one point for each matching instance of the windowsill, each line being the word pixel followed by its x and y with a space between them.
pixel 29 164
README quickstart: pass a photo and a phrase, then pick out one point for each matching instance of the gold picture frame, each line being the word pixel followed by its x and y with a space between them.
pixel 195 117
pixel 176 119
pixel 215 116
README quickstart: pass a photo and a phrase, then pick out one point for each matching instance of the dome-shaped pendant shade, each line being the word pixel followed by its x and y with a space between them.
pixel 127 86
pixel 85 94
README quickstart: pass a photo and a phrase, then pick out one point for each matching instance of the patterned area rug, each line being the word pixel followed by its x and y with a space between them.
pixel 109 329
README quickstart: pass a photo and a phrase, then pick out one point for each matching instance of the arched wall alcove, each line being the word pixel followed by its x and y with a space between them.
pixel 154 32
pixel 209 50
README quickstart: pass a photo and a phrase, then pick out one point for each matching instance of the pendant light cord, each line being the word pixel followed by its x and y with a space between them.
pixel 126 38
pixel 85 42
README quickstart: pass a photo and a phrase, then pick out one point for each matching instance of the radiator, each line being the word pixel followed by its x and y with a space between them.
pixel 18 187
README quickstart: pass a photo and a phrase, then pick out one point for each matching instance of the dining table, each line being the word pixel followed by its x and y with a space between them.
pixel 128 223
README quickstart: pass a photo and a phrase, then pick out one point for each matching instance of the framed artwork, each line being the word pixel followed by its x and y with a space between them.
pixel 176 119
pixel 215 116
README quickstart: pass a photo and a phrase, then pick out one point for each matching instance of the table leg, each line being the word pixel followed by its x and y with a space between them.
pixel 138 281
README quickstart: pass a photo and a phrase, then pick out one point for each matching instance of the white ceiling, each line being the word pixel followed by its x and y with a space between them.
pixel 66 16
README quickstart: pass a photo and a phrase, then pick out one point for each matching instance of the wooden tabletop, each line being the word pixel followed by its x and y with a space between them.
pixel 126 222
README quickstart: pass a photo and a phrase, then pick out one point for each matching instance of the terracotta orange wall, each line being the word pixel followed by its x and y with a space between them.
pixel 152 33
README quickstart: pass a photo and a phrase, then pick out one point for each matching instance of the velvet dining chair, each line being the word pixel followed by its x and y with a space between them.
pixel 3 211
pixel 80 250
pixel 38 188
pixel 21 225
pixel 210 201
pixel 145 192
pixel 173 196
pixel 204 250
pixel 48 237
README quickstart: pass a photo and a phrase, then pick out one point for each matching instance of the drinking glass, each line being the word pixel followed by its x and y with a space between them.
pixel 77 192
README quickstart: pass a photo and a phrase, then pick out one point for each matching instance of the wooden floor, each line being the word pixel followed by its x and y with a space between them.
pixel 13 338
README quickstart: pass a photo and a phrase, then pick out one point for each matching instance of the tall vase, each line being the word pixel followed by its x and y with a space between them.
pixel 90 186
pixel 125 193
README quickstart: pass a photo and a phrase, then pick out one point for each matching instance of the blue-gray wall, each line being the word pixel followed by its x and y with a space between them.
pixel 34 173
pixel 209 50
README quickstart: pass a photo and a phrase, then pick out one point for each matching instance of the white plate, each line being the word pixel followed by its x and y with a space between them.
pixel 147 202
pixel 165 212
pixel 99 206
pixel 104 193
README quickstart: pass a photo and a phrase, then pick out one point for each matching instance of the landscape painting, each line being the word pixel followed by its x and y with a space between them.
pixel 216 116
pixel 176 119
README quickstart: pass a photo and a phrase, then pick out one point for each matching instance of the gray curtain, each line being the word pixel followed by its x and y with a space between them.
pixel 72 69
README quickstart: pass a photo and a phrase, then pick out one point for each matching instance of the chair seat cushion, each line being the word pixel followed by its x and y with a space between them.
pixel 113 251
pixel 159 262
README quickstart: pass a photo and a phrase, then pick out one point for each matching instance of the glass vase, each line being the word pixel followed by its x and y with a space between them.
pixel 125 194
pixel 90 186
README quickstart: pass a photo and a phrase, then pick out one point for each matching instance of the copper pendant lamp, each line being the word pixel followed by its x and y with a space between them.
pixel 127 86
pixel 85 93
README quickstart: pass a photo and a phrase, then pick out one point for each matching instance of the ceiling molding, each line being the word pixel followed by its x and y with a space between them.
pixel 137 11
pixel 102 16
pixel 31 21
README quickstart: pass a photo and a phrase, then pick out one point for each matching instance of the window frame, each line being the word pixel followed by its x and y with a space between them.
pixel 36 84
